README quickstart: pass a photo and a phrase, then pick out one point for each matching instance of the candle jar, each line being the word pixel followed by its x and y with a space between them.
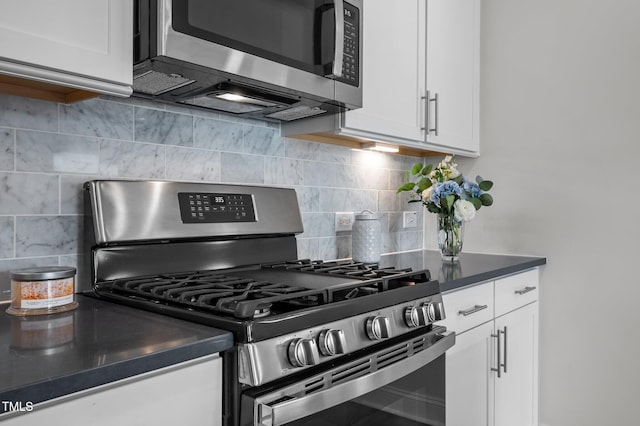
pixel 42 291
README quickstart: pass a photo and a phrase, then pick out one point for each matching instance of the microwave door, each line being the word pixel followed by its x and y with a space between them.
pixel 288 32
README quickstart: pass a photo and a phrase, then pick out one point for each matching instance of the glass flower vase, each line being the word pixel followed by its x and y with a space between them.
pixel 450 237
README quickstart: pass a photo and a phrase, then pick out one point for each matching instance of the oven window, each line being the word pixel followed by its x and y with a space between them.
pixel 416 399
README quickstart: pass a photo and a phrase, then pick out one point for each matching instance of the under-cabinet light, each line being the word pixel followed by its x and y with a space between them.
pixel 228 96
pixel 383 147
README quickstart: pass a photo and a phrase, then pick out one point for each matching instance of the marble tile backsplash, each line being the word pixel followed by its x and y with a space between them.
pixel 47 151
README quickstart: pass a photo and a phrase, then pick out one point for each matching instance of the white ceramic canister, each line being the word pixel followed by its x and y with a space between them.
pixel 366 238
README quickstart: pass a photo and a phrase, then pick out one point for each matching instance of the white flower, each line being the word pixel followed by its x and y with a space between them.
pixel 463 210
pixel 452 173
pixel 426 194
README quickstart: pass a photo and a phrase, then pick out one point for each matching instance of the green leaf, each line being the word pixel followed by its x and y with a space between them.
pixel 479 179
pixel 476 203
pixel 433 208
pixel 424 184
pixel 427 169
pixel 406 187
pixel 485 185
pixel 446 203
pixel 458 180
pixel 486 199
pixel 416 168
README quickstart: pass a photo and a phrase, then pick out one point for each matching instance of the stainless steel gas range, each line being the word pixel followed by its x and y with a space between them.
pixel 316 342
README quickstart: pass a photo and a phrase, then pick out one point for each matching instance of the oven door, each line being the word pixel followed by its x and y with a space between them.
pixel 402 383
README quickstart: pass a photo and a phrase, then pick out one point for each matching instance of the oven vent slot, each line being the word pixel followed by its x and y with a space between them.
pixel 353 371
pixel 377 361
pixel 314 385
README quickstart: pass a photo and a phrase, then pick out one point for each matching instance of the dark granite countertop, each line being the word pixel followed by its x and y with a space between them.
pixel 45 357
pixel 471 268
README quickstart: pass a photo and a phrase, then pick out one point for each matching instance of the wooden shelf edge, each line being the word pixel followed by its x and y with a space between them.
pixel 44 91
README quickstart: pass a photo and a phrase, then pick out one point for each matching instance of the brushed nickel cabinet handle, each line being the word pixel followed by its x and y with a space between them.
pixel 524 290
pixel 470 311
pixel 497 369
pixel 435 129
pixel 427 122
pixel 427 111
pixel 504 364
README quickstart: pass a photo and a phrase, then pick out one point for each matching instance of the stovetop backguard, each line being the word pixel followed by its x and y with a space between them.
pixel 136 228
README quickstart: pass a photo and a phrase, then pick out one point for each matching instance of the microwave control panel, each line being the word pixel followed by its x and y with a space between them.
pixel 351 57
pixel 197 207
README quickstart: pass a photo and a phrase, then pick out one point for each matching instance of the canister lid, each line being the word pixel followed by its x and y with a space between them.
pixel 366 215
pixel 43 273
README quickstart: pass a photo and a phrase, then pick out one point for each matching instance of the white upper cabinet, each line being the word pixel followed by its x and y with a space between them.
pixel 453 74
pixel 393 73
pixel 80 44
pixel 412 49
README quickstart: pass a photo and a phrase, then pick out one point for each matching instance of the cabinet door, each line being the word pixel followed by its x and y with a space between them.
pixel 78 43
pixel 184 394
pixel 470 379
pixel 516 391
pixel 453 73
pixel 393 77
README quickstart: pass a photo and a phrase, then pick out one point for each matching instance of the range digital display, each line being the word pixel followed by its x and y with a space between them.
pixel 198 207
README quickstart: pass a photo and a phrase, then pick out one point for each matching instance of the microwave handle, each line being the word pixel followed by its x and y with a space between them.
pixel 338 54
pixel 287 411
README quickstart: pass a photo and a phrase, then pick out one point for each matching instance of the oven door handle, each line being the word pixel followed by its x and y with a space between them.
pixel 283 412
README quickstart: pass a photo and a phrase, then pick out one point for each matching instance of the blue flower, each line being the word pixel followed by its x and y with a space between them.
pixel 442 189
pixel 471 189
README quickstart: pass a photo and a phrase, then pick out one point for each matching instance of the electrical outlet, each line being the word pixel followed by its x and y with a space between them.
pixel 409 219
pixel 344 221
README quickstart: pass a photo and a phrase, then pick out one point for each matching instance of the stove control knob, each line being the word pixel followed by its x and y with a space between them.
pixel 332 342
pixel 415 316
pixel 303 352
pixel 434 310
pixel 378 328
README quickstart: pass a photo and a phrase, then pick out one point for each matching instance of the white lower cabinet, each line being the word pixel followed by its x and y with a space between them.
pixel 516 391
pixel 492 370
pixel 468 385
pixel 185 394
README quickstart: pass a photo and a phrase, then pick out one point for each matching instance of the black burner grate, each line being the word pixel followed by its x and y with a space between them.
pixel 243 295
pixel 347 268
pixel 219 292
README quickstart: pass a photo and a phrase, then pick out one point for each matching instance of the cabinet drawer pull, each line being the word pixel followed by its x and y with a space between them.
pixel 476 308
pixel 524 290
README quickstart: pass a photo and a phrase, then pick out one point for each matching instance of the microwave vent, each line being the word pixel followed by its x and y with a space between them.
pixel 295 113
pixel 157 83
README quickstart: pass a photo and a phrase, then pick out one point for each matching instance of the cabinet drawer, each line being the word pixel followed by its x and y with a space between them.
pixel 515 291
pixel 468 307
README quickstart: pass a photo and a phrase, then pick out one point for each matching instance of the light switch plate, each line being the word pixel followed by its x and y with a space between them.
pixel 344 221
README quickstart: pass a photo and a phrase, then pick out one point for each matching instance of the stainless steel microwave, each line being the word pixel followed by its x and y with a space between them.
pixel 280 60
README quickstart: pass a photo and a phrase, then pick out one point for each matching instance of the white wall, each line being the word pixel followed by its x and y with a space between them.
pixel 560 129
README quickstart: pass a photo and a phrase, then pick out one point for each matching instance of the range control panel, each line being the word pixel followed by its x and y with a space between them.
pixel 198 207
